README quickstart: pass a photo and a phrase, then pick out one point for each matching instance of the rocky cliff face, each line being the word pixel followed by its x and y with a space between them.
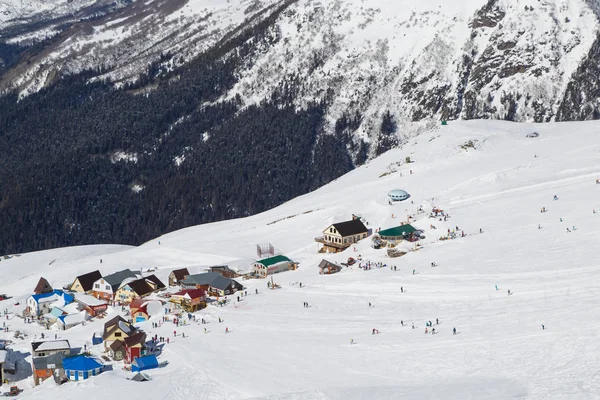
pixel 422 61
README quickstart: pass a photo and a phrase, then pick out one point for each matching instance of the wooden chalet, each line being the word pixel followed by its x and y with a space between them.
pixel 213 283
pixel 135 346
pixel 116 350
pixel 138 288
pixel 85 283
pixel 224 270
pixel 339 236
pixel 91 304
pixel 116 329
pixel 191 300
pixel 106 287
pixel 138 310
pixel 177 276
pixel 42 287
pixel 328 267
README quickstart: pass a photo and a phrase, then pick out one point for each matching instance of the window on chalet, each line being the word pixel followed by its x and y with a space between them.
pixel 117 334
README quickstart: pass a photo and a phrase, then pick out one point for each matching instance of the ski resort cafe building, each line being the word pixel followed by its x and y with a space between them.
pixel 397 233
pixel 339 236
pixel 273 265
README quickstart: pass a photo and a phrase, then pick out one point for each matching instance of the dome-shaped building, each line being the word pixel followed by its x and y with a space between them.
pixel 398 195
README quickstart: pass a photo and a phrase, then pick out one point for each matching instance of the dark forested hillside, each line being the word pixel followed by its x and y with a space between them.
pixel 62 184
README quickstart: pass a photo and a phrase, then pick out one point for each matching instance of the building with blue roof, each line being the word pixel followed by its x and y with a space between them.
pixel 40 304
pixel 144 363
pixel 81 367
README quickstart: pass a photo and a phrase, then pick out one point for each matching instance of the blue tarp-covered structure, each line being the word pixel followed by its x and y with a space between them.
pixel 144 363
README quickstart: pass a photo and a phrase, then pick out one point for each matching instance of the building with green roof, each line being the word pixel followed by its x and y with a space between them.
pixel 273 265
pixel 397 233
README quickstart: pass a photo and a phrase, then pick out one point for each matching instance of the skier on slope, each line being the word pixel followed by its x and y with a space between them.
pixel 454 331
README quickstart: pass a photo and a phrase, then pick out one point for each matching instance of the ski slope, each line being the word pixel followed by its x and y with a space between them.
pixel 279 350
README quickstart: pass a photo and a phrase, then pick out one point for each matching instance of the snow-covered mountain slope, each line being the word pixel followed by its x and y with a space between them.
pixel 23 21
pixel 497 59
pixel 485 175
pixel 422 61
pixel 128 40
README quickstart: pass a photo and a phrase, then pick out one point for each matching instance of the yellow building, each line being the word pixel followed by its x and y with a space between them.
pixel 85 283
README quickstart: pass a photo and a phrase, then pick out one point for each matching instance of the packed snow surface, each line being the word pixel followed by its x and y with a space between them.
pixel 485 175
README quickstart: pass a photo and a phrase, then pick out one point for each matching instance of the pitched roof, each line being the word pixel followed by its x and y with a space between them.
pixel 115 280
pixel 42 286
pixel 88 300
pixel 191 293
pixel 116 323
pixel 205 278
pixel 117 345
pixel 40 363
pixel 180 274
pixel 324 263
pixel 73 319
pixel 46 297
pixel 148 361
pixel 154 279
pixel 87 280
pixel 397 231
pixel 138 304
pixel 50 345
pixel 222 268
pixel 221 282
pixel 352 227
pixel 138 338
pixel 140 377
pixel 142 286
pixel 80 363
pixel 212 279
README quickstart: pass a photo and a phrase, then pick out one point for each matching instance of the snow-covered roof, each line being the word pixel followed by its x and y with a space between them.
pixel 3 354
pixel 49 299
pixel 73 319
pixel 124 327
pixel 51 345
pixel 89 300
pixel 56 295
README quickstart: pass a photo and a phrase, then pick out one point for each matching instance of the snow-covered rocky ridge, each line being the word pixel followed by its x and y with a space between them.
pixel 485 174
pixel 421 60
